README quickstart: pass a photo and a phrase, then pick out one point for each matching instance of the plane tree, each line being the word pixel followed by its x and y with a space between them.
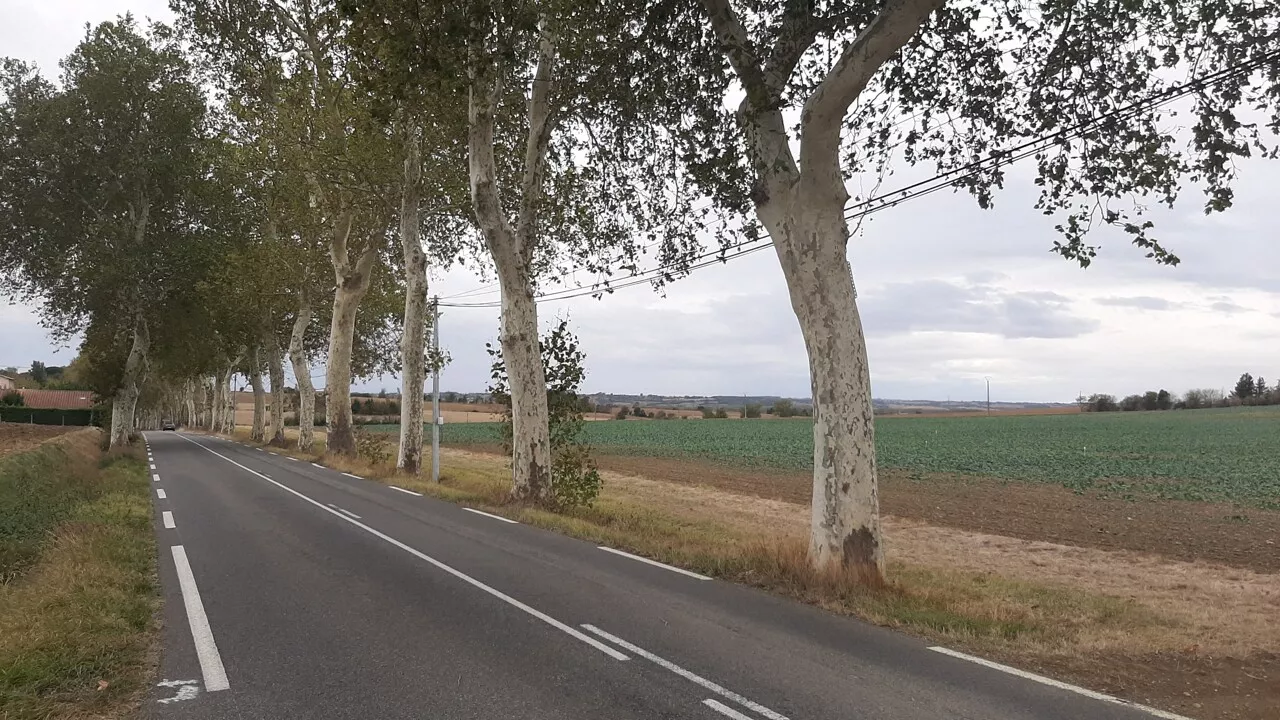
pixel 99 201
pixel 285 58
pixel 821 93
pixel 569 166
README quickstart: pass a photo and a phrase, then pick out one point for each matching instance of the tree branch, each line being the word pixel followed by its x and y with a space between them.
pixel 740 51
pixel 309 49
pixel 364 265
pixel 338 244
pixel 486 201
pixel 542 121
pixel 796 35
pixel 820 122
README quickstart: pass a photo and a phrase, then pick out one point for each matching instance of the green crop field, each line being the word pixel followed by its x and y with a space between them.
pixel 1222 455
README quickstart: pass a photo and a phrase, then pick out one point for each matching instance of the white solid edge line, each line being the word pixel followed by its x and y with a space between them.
pixel 655 563
pixel 572 632
pixel 491 515
pixel 215 675
pixel 725 710
pixel 160 493
pixel 697 679
pixel 344 511
pixel 393 487
pixel 155 478
pixel 168 519
pixel 353 476
pixel 1059 684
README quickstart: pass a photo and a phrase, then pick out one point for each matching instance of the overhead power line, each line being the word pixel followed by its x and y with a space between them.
pixel 949 178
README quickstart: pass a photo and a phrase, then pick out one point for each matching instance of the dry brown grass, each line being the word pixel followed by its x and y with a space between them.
pixel 20 437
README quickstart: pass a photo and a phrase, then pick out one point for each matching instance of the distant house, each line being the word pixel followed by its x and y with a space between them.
pixel 6 382
pixel 57 399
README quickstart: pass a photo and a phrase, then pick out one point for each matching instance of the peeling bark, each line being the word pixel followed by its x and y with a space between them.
pixel 413 342
pixel 275 372
pixel 302 374
pixel 810 233
pixel 125 402
pixel 225 410
pixel 189 398
pixel 352 284
pixel 512 249
pixel 802 206
pixel 216 403
pixel 208 401
pixel 259 429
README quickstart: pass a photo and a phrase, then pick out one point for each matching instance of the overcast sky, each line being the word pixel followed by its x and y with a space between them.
pixel 949 294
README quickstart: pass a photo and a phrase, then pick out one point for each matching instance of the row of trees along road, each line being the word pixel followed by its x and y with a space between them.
pixel 272 178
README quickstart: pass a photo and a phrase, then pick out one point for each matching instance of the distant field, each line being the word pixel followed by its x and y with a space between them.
pixel 1217 455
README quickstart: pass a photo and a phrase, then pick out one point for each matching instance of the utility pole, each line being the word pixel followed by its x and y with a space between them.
pixel 435 390
pixel 988 396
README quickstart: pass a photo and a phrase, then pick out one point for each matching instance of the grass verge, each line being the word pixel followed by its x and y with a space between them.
pixel 77 628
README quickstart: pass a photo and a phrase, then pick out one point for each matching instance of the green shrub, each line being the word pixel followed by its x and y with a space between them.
pixel 575 481
pixel 372 447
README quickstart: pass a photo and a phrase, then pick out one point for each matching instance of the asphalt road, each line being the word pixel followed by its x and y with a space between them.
pixel 294 591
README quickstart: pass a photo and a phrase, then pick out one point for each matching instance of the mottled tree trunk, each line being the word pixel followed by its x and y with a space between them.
pixel 352 284
pixel 216 403
pixel 810 236
pixel 226 410
pixel 413 341
pixel 259 428
pixel 125 402
pixel 526 376
pixel 302 374
pixel 190 399
pixel 337 382
pixel 512 249
pixel 801 204
pixel 229 411
pixel 275 371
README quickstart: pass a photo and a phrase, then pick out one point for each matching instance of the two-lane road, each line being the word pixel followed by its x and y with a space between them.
pixel 294 591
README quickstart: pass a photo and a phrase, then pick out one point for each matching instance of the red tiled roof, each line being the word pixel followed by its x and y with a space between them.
pixel 57 399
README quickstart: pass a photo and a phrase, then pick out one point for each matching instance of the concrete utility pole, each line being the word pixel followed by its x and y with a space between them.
pixel 436 419
pixel 988 396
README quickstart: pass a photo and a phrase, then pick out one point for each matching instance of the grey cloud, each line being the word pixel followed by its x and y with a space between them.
pixel 1141 302
pixel 938 305
pixel 985 277
pixel 1228 307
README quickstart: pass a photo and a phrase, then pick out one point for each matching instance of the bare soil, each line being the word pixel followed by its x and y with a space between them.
pixel 17 437
pixel 1211 532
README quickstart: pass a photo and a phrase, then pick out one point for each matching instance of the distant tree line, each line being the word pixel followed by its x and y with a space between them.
pixel 48 377
pixel 1247 391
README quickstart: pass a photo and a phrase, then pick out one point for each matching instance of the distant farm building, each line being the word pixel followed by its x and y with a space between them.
pixel 56 399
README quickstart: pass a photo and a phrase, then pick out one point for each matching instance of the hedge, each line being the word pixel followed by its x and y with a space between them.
pixel 46 416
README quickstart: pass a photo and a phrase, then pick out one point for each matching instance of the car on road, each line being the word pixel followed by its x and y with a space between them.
pixel 168 425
